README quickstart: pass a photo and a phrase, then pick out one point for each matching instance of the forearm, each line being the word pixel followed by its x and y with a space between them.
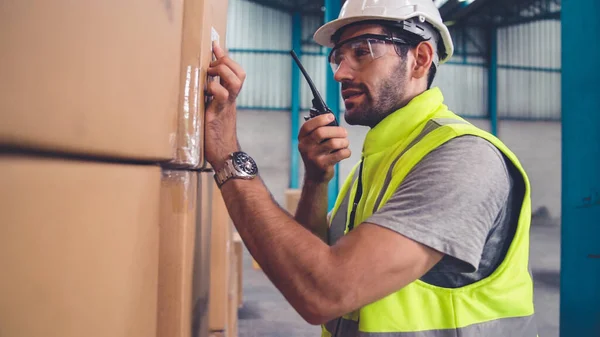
pixel 295 260
pixel 312 208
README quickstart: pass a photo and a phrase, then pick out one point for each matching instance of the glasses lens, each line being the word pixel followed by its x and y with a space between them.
pixel 378 48
pixel 357 53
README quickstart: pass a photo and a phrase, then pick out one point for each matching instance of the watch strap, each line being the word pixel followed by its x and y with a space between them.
pixel 224 174
pixel 228 171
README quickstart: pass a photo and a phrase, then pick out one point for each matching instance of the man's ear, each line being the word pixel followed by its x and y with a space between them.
pixel 423 59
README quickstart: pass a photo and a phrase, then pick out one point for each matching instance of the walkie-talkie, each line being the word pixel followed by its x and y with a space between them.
pixel 319 107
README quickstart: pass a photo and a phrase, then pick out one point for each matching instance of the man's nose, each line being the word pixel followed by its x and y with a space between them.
pixel 344 72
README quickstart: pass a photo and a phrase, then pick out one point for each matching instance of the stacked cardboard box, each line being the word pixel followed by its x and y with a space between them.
pixel 106 198
pixel 109 79
pixel 184 262
pixel 292 198
pixel 238 251
pixel 78 248
pixel 225 275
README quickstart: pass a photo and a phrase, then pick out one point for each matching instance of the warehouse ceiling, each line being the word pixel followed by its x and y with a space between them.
pixel 499 12
pixel 465 12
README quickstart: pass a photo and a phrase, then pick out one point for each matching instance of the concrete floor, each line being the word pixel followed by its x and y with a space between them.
pixel 266 313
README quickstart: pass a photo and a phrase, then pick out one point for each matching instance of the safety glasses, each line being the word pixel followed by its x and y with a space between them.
pixel 359 51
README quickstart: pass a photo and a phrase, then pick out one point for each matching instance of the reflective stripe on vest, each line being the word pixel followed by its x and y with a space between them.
pixel 494 327
pixel 513 326
pixel 341 327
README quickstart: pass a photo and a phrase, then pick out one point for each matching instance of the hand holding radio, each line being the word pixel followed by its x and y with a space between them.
pixel 321 147
pixel 321 141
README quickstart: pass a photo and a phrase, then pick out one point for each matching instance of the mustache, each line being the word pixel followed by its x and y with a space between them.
pixel 357 86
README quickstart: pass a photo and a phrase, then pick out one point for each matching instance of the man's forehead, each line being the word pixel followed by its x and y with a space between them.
pixel 360 29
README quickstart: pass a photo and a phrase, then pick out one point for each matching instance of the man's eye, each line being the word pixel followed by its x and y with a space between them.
pixel 361 52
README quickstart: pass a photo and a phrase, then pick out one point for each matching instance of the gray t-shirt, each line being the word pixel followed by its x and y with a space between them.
pixel 463 199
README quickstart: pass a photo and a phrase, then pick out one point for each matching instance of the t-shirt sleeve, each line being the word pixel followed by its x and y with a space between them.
pixel 450 200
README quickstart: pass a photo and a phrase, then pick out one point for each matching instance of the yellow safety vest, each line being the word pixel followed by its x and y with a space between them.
pixel 501 305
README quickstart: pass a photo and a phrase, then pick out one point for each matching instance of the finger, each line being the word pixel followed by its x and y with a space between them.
pixel 314 123
pixel 326 132
pixel 217 50
pixel 218 92
pixel 340 155
pixel 328 160
pixel 234 66
pixel 331 159
pixel 333 144
pixel 228 78
pixel 223 71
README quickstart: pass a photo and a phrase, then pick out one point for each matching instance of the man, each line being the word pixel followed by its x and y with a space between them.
pixel 430 232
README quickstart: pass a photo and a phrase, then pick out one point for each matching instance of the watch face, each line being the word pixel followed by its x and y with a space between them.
pixel 244 163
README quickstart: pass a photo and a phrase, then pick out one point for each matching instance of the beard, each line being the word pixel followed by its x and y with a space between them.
pixel 375 106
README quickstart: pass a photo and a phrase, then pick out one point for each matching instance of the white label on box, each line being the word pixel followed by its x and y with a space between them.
pixel 214 36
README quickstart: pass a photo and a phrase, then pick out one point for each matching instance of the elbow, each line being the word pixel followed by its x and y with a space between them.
pixel 318 309
pixel 313 316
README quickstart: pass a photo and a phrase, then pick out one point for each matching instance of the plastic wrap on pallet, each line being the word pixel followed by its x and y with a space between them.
pixel 196 56
pixel 184 253
pixel 176 252
pixel 187 141
pixel 220 263
pixel 202 251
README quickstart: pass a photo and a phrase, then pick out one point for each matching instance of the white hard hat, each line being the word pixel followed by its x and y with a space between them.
pixel 388 10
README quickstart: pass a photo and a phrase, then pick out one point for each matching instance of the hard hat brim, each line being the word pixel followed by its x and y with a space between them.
pixel 323 35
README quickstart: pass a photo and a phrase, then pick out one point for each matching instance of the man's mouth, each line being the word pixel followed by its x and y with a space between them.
pixel 350 94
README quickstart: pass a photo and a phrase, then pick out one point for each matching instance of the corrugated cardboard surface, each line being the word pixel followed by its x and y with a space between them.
pixel 292 198
pixel 91 77
pixel 177 240
pixel 202 250
pixel 232 329
pixel 204 21
pixel 220 269
pixel 238 248
pixel 217 334
pixel 78 248
pixel 184 267
pixel 84 77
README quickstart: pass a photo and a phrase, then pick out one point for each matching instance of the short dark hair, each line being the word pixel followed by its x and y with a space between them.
pixel 401 49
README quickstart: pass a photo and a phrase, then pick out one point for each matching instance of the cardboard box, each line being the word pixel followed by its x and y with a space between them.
pixel 233 304
pixel 205 21
pixel 202 259
pixel 113 79
pixel 78 248
pixel 220 264
pixel 217 334
pixel 184 254
pixel 238 249
pixel 292 198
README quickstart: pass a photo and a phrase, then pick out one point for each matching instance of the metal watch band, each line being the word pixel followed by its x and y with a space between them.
pixel 231 171
pixel 226 173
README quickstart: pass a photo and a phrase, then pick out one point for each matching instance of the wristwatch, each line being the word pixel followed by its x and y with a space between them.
pixel 238 165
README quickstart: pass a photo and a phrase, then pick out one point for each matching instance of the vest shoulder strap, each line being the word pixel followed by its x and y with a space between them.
pixel 431 125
